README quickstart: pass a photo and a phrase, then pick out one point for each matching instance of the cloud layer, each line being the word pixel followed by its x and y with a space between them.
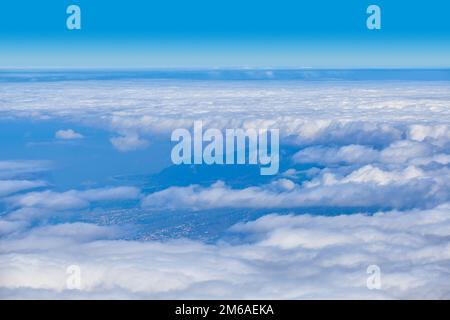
pixel 369 147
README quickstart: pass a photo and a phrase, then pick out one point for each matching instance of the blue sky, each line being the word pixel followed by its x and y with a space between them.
pixel 267 33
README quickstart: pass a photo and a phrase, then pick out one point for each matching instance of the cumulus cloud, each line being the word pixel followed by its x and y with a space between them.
pixel 340 112
pixel 68 134
pixel 290 257
pixel 437 133
pixel 129 142
pixel 368 187
pixel 398 152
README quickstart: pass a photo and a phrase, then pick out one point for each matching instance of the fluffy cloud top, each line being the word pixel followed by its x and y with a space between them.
pixel 68 134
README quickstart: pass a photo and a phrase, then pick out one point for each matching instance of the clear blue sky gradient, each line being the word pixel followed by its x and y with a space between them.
pixel 225 33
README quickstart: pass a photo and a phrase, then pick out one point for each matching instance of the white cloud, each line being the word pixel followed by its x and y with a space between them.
pixel 129 142
pixel 421 132
pixel 368 187
pixel 50 200
pixel 72 199
pixel 68 134
pixel 331 155
pixel 398 152
pixel 404 150
pixel 12 186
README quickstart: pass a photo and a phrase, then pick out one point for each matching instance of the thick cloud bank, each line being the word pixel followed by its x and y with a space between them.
pixel 285 257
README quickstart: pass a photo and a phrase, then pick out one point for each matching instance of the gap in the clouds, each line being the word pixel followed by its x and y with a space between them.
pixel 90 162
pixel 235 176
